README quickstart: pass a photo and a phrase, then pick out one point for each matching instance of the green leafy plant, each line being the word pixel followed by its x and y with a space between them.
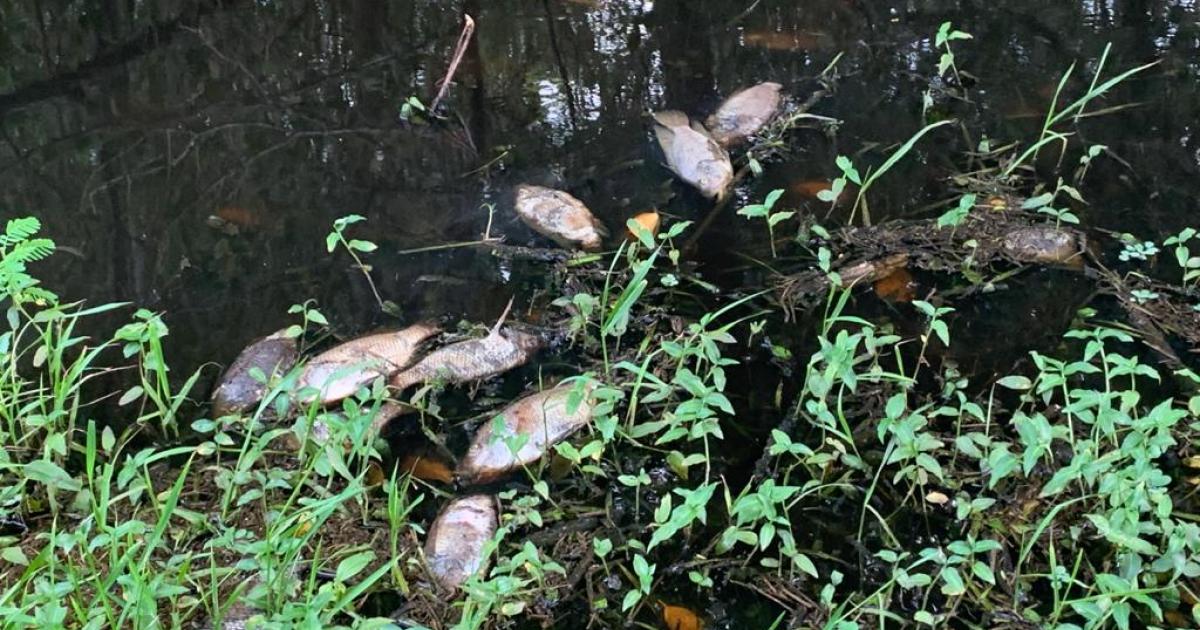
pixel 764 210
pixel 946 34
pixel 851 174
pixel 354 247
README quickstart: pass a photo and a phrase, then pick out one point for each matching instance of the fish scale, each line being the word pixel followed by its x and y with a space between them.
pixel 472 360
pixel 340 371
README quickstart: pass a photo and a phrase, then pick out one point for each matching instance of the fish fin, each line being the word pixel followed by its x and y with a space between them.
pixel 665 137
pixel 496 328
pixel 671 118
pixel 699 128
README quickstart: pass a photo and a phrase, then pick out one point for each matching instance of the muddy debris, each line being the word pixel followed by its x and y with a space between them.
pixel 542 419
pixel 342 370
pixel 744 113
pixel 238 390
pixel 868 254
pixel 560 217
pixel 692 154
pixel 454 548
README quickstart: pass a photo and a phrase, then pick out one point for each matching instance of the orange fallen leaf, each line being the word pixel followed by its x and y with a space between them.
pixel 649 221
pixel 896 286
pixel 810 188
pixel 792 40
pixel 426 468
pixel 239 216
pixel 680 618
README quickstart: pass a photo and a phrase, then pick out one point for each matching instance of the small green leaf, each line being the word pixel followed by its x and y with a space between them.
pixel 1019 383
pixel 353 565
pixel 129 396
pixel 14 555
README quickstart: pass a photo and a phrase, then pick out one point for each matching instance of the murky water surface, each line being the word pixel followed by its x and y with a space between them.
pixel 191 156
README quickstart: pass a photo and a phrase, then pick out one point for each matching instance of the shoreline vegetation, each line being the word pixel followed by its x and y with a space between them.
pixel 622 459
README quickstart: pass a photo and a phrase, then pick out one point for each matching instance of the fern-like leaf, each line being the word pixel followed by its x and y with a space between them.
pixel 29 251
pixel 19 229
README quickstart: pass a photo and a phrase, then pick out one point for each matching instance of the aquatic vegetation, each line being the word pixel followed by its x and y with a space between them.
pixel 764 211
pixel 780 438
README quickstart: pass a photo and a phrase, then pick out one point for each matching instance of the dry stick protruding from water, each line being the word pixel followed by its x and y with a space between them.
pixel 460 49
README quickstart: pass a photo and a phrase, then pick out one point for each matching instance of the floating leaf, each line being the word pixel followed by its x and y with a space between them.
pixel 896 286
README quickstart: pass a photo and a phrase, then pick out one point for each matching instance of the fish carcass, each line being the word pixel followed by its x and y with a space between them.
pixel 560 217
pixel 454 548
pixel 693 154
pixel 475 359
pixel 238 391
pixel 342 370
pixel 544 418
pixel 745 113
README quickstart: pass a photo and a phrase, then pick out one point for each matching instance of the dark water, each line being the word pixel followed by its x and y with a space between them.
pixel 125 126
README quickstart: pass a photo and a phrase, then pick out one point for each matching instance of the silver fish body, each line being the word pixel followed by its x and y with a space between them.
pixel 342 370
pixel 559 216
pixel 692 154
pixel 238 391
pixel 454 548
pixel 544 418
pixel 472 360
pixel 745 113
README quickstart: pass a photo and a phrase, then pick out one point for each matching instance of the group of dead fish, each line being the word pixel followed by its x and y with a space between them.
pixel 696 153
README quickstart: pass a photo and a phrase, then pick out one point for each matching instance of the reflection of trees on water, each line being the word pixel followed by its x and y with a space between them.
pixel 125 126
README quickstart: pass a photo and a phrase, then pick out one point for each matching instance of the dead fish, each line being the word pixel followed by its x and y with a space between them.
pixel 693 154
pixel 560 217
pixel 340 371
pixel 745 113
pixel 545 418
pixel 1044 245
pixel 500 351
pixel 454 549
pixel 237 390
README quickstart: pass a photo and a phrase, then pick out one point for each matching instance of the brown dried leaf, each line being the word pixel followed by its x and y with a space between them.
pixel 680 618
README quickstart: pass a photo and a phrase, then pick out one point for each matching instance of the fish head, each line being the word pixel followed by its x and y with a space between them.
pixel 713 178
pixel 525 341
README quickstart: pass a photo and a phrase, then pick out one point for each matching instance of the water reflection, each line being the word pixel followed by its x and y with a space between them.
pixel 126 127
